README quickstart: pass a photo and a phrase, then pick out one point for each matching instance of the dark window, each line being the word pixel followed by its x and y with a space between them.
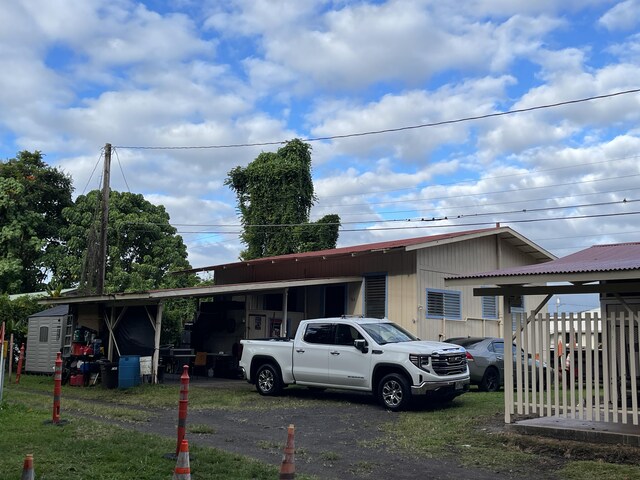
pixel 319 333
pixel 334 300
pixel 44 334
pixel 444 304
pixel 498 347
pixel 272 301
pixel 346 334
pixel 375 296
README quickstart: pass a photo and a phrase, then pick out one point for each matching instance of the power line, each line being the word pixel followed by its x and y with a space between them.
pixel 93 171
pixel 459 207
pixel 451 225
pixel 391 130
pixel 444 217
pixel 121 170
pixel 480 193
pixel 494 177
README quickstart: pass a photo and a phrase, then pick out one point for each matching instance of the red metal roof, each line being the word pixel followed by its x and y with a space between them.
pixel 354 249
pixel 598 258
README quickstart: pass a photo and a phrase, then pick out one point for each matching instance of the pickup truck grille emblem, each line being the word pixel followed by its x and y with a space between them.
pixel 449 364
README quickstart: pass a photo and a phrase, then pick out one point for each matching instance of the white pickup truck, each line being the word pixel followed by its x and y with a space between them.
pixel 364 354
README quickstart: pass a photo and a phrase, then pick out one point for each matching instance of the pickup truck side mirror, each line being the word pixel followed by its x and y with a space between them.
pixel 361 344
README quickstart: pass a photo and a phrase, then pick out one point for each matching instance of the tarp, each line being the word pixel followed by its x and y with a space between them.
pixel 135 333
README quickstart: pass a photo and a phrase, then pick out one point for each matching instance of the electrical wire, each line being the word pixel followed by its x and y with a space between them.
pixel 537 199
pixel 93 171
pixel 422 199
pixel 443 217
pixel 121 170
pixel 494 177
pixel 450 225
pixel 391 130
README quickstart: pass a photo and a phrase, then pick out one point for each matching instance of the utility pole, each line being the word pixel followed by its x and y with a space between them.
pixel 102 251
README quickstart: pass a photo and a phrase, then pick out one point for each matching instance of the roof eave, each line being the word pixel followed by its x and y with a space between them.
pixel 531 279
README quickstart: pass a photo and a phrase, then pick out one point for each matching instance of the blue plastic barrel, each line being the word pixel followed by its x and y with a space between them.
pixel 129 371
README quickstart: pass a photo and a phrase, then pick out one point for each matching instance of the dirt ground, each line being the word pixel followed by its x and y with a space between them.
pixel 330 443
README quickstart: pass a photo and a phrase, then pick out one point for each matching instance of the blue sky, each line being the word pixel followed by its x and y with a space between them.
pixel 80 73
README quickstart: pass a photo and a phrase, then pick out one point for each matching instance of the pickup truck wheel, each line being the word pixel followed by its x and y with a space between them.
pixel 394 392
pixel 268 381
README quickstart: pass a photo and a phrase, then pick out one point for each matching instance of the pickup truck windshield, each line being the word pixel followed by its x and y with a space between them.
pixel 384 333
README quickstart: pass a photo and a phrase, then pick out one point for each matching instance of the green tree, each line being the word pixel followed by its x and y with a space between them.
pixel 275 195
pixel 32 197
pixel 143 247
pixel 16 315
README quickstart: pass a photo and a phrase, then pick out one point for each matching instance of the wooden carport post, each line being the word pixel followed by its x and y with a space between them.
pixel 156 343
pixel 285 304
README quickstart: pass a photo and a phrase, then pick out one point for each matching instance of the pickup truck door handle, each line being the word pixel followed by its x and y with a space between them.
pixel 335 352
pixel 499 357
pixel 300 350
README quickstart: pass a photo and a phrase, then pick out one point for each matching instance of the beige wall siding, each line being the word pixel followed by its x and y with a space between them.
pixel 478 255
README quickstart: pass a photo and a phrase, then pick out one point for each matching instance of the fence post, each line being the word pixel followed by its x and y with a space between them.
pixel 20 361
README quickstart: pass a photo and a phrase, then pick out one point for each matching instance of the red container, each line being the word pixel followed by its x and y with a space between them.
pixel 77 349
pixel 76 380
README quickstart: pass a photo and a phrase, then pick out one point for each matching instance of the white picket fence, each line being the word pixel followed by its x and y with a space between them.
pixel 598 382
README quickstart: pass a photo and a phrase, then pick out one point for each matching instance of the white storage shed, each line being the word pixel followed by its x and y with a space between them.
pixel 44 338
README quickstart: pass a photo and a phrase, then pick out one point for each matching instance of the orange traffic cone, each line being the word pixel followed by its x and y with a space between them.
pixel 183 470
pixel 27 469
pixel 288 467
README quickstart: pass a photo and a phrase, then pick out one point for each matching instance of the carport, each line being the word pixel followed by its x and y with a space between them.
pixel 110 310
pixel 595 359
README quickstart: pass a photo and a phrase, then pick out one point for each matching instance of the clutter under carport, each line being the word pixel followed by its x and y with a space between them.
pixel 86 364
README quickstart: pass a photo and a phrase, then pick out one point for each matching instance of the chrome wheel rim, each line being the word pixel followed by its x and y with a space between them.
pixel 265 380
pixel 392 393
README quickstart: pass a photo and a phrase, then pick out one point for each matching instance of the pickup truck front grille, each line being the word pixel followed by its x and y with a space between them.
pixel 449 363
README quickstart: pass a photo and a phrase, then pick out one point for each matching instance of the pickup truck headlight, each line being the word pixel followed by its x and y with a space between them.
pixel 423 362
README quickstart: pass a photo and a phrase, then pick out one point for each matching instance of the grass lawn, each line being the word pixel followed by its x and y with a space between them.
pixel 471 430
pixel 86 449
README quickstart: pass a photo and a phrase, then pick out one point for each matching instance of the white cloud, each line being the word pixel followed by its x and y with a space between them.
pixel 249 71
pixel 624 16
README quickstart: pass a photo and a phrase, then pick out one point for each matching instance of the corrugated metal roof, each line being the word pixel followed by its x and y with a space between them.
pixel 598 258
pixel 57 311
pixel 379 246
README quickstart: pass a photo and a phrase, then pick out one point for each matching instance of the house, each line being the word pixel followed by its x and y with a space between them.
pixel 596 389
pixel 403 280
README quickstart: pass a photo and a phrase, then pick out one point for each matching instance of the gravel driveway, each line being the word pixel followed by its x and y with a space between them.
pixel 331 443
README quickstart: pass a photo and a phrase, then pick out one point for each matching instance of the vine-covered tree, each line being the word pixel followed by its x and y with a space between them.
pixel 143 247
pixel 275 195
pixel 32 197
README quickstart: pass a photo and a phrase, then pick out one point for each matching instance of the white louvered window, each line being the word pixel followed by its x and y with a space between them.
pixel 444 304
pixel 375 296
pixel 490 308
